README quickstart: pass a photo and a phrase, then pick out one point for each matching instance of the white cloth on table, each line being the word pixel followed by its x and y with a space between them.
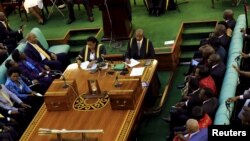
pixel 32 3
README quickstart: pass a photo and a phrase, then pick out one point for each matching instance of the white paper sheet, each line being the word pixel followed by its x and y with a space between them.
pixel 137 71
pixel 133 63
pixel 84 66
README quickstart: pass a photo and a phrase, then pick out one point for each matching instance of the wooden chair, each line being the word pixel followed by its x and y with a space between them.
pixel 15 5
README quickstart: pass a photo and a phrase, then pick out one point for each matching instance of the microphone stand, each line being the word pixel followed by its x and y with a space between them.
pixel 110 22
pixel 65 85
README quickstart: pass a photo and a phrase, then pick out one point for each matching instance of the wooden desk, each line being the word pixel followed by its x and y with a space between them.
pixel 117 124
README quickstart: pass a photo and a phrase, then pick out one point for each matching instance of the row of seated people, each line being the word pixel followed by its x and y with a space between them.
pixel 17 99
pixel 35 66
pixel 203 81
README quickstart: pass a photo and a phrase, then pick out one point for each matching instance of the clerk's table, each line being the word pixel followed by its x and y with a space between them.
pixel 117 124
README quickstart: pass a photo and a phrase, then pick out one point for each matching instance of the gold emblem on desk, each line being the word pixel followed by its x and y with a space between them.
pixel 94 99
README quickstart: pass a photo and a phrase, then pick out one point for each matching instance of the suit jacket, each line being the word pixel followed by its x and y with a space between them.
pixel 4 103
pixel 33 54
pixel 31 73
pixel 202 135
pixel 21 93
pixel 7 34
pixel 231 23
pixel 217 74
pixel 210 106
pixel 102 51
pixel 132 51
pixel 225 41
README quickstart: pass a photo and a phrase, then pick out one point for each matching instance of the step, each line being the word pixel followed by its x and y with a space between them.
pixel 186 56
pixel 190 42
pixel 200 35
pixel 189 48
pixel 198 30
pixel 200 24
pixel 77 42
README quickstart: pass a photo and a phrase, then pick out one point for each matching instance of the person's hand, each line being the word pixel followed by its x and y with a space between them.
pixel 35 81
pixel 232 99
pixel 91 64
pixel 78 62
pixel 244 55
pixel 47 68
pixel 242 30
pixel 14 112
pixel 236 68
pixel 6 128
pixel 53 56
pixel 127 60
pixel 25 105
pixel 180 104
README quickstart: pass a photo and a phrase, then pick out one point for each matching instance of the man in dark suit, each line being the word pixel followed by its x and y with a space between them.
pixel 9 37
pixel 35 51
pixel 71 14
pixel 140 47
pixel 217 70
pixel 228 16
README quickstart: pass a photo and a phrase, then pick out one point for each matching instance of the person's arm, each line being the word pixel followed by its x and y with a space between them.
pixel 80 57
pixel 151 51
pixel 240 72
pixel 128 52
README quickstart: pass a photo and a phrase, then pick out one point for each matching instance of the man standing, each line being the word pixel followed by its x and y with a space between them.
pixel 9 37
pixel 71 14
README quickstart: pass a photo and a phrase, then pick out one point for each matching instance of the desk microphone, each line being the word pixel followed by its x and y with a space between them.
pixel 65 85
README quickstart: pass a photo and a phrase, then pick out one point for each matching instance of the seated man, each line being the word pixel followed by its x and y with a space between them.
pixel 71 14
pixel 35 51
pixel 140 47
pixel 9 37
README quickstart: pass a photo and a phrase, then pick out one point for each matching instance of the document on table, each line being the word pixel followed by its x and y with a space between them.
pixel 133 63
pixel 84 66
pixel 137 71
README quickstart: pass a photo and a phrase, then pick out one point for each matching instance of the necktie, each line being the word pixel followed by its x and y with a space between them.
pixel 139 48
pixel 41 51
pixel 6 98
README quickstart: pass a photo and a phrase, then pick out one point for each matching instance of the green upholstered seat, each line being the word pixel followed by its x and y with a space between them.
pixel 62 48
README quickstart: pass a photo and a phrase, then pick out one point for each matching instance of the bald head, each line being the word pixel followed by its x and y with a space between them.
pixel 207 50
pixel 139 34
pixel 228 14
pixel 192 125
pixel 31 37
pixel 2 16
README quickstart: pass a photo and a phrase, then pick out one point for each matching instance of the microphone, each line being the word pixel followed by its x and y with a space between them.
pixel 65 85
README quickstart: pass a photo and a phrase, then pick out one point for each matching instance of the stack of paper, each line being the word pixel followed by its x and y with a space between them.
pixel 133 63
pixel 137 71
pixel 84 66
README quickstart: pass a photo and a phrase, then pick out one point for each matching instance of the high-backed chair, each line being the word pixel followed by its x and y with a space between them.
pixel 60 48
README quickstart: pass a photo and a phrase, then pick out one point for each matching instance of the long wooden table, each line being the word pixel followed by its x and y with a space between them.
pixel 117 124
